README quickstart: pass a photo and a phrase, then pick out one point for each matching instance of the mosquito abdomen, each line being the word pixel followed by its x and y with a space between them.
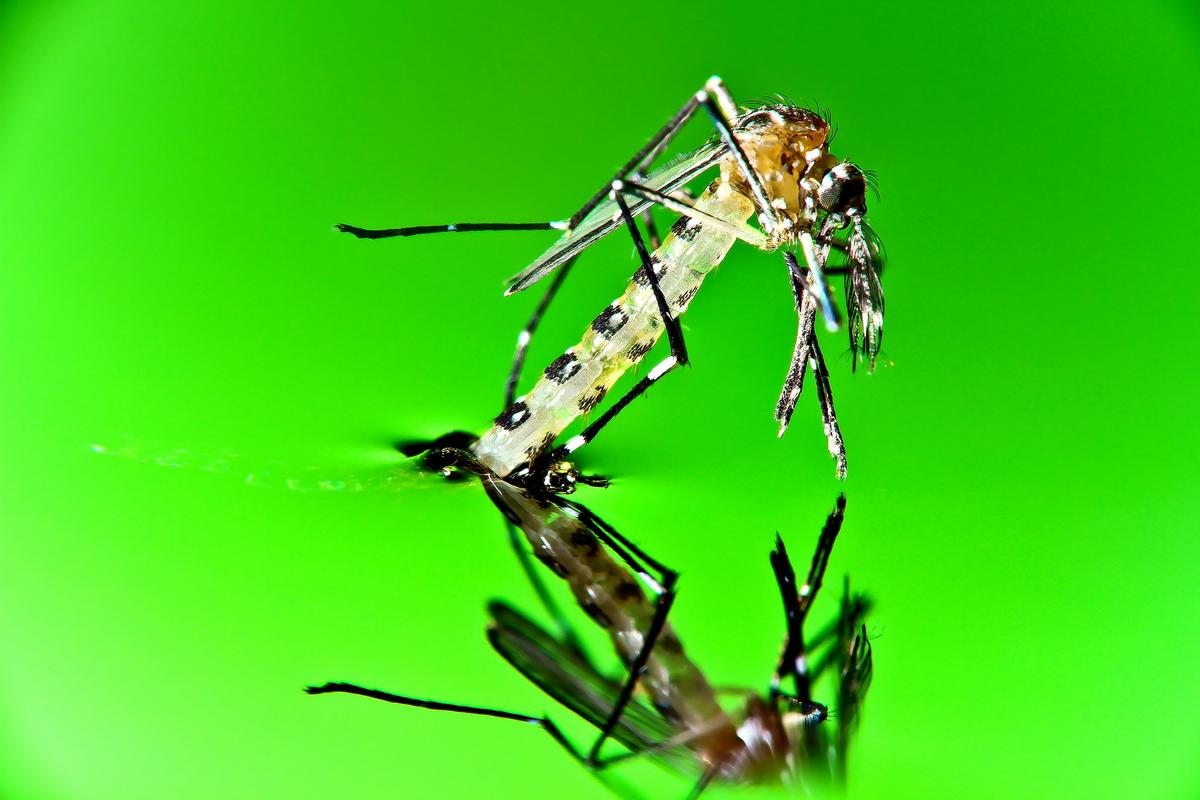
pixel 619 337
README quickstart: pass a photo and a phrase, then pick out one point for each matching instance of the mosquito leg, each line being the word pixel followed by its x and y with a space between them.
pixel 647 218
pixel 703 782
pixel 458 227
pixel 543 722
pixel 664 588
pixel 645 156
pixel 833 433
pixel 677 358
pixel 589 433
pixel 797 600
pixel 715 99
pixel 640 161
pixel 744 232
pixel 806 310
pixel 674 332
pixel 816 281
pixel 526 334
pixel 625 549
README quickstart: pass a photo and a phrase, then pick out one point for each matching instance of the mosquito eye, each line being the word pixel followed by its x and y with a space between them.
pixel 843 190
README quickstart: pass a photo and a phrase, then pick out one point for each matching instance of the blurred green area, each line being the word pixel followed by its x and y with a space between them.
pixel 1023 482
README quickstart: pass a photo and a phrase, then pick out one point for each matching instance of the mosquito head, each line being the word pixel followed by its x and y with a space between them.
pixel 843 191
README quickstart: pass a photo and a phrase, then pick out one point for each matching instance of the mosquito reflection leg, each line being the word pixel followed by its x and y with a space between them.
pixel 565 629
pixel 589 433
pixel 543 722
pixel 674 337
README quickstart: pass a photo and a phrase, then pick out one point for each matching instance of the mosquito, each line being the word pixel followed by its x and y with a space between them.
pixel 774 165
pixel 776 736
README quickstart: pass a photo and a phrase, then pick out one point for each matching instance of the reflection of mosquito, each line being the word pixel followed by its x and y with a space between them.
pixel 773 165
pixel 776 736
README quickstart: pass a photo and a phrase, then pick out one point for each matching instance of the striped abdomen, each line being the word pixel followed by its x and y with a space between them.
pixel 611 595
pixel 618 338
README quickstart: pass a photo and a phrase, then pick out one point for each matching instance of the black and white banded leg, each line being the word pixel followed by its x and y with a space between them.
pixel 516 540
pixel 797 600
pixel 662 585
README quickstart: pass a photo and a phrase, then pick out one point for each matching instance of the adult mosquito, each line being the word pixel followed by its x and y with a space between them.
pixel 773 165
pixel 776 736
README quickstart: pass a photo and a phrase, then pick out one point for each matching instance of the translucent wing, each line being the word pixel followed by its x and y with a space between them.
pixel 573 681
pixel 390 475
pixel 606 218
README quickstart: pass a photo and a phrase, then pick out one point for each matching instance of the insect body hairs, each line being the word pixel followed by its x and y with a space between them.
pixel 773 167
pixel 777 736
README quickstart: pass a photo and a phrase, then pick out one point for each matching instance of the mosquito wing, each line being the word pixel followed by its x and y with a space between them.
pixel 571 680
pixel 389 474
pixel 606 217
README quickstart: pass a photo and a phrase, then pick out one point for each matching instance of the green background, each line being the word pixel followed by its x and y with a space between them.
pixel 1022 490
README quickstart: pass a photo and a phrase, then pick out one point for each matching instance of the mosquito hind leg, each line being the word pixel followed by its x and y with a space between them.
pixel 664 589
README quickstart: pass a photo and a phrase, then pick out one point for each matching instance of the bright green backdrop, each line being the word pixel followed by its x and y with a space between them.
pixel 1022 491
